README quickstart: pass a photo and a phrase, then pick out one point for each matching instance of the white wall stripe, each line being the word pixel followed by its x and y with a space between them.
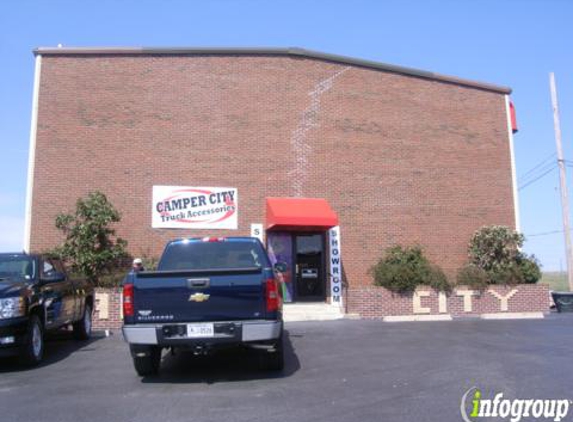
pixel 513 168
pixel 32 155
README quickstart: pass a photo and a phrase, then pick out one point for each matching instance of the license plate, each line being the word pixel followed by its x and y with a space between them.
pixel 200 330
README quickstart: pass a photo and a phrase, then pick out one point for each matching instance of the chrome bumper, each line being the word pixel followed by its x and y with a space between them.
pixel 258 330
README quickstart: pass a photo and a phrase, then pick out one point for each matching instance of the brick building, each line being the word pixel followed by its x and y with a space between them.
pixel 390 155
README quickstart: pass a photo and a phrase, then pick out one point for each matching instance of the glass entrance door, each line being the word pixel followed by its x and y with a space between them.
pixel 280 249
pixel 309 267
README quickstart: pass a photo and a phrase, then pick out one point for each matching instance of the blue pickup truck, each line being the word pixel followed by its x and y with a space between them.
pixel 206 294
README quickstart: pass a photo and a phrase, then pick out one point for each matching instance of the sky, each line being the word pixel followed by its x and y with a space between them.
pixel 514 43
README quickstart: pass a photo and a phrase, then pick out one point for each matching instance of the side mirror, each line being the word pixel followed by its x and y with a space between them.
pixel 280 267
pixel 52 277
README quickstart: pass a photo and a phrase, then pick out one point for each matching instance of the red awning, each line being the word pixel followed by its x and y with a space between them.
pixel 299 214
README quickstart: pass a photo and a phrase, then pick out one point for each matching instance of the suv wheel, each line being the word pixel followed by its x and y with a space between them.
pixel 83 327
pixel 33 348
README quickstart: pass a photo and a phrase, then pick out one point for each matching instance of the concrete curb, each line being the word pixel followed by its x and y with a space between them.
pixel 514 315
pixel 407 318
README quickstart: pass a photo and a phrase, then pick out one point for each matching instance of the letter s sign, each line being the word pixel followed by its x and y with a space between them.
pixel 257 231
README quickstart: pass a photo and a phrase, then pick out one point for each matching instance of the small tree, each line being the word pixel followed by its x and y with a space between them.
pixel 495 251
pixel 401 270
pixel 91 246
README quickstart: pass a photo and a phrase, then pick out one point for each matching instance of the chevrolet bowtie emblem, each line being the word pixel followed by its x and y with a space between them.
pixel 199 297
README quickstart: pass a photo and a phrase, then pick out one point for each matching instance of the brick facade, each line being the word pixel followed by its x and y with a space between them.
pixel 401 159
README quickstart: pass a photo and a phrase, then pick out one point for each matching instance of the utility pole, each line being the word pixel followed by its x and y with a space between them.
pixel 562 180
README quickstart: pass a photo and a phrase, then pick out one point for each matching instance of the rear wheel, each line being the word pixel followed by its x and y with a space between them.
pixel 83 327
pixel 147 362
pixel 33 348
pixel 273 360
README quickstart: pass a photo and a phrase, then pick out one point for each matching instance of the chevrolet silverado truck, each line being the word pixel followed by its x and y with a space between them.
pixel 206 294
pixel 37 296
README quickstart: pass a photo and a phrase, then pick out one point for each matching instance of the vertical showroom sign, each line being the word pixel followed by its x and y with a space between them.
pixel 335 266
pixel 182 207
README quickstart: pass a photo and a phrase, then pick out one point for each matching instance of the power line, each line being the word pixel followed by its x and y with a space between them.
pixel 542 162
pixel 544 233
pixel 523 186
pixel 532 176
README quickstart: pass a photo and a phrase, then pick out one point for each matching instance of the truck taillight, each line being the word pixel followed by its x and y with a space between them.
pixel 272 295
pixel 128 300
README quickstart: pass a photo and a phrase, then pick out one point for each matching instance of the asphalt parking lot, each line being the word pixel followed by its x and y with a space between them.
pixel 336 371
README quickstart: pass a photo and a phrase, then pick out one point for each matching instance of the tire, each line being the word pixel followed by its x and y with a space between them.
pixel 149 364
pixel 33 347
pixel 83 327
pixel 275 360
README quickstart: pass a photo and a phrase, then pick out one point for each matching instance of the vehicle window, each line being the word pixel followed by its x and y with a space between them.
pixel 16 266
pixel 216 255
pixel 47 268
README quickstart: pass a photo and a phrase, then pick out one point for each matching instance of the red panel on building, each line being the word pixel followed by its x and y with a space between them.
pixel 299 214
pixel 513 117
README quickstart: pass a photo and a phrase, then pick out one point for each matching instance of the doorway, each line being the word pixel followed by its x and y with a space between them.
pixel 303 254
pixel 309 267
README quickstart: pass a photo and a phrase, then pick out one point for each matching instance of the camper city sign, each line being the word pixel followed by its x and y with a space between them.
pixel 180 207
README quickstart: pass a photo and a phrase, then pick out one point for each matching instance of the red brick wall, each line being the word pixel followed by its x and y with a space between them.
pixel 402 160
pixel 377 302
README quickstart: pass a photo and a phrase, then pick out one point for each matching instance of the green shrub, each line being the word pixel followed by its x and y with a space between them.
pixel 530 269
pixel 90 246
pixel 472 276
pixel 496 250
pixel 438 280
pixel 401 270
pixel 113 278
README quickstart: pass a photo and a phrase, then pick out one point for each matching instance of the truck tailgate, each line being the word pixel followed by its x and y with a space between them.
pixel 199 295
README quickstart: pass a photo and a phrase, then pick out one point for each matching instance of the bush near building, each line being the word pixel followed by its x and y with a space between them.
pixel 402 269
pixel 495 257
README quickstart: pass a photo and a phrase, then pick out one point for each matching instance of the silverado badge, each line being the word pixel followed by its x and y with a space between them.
pixel 198 297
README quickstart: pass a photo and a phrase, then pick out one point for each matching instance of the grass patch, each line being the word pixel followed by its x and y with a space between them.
pixel 557 281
